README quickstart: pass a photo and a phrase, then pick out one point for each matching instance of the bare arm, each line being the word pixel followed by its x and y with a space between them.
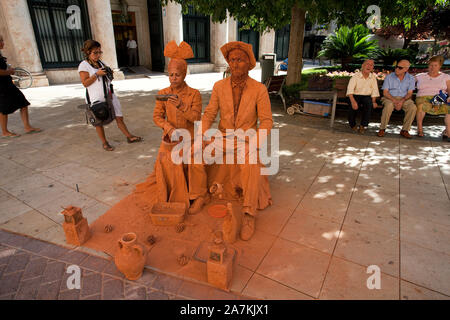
pixel 6 72
pixel 87 80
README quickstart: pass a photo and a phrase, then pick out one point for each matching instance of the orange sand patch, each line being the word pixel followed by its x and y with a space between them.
pixel 132 215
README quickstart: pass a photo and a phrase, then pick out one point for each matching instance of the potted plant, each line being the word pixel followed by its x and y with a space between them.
pixel 348 43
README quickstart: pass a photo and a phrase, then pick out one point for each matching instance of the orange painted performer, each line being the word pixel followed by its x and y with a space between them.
pixel 241 101
pixel 177 182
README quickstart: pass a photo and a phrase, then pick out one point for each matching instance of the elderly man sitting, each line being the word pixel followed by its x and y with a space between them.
pixel 362 91
pixel 397 92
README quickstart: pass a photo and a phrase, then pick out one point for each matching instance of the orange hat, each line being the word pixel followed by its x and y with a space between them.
pixel 183 51
pixel 246 47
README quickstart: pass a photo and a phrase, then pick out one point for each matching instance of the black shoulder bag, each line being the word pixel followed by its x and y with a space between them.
pixel 100 113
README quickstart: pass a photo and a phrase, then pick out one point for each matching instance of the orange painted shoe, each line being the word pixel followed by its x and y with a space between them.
pixel 248 227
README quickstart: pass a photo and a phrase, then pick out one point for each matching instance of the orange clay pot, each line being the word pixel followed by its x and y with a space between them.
pixel 130 257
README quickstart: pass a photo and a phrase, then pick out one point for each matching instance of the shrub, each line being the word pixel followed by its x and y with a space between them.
pixel 348 43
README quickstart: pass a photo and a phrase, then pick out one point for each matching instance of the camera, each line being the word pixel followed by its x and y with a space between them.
pixel 109 73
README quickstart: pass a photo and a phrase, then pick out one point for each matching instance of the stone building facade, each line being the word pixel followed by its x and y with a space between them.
pixel 45 36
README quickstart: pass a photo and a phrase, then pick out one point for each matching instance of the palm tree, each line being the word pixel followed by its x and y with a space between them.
pixel 348 43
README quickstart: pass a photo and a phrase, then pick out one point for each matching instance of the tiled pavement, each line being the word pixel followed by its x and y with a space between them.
pixel 342 201
pixel 33 269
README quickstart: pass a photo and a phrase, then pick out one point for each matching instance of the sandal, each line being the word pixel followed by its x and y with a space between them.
pixel 134 139
pixel 108 147
pixel 34 130
pixel 420 133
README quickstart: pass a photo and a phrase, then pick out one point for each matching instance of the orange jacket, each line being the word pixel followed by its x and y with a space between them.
pixel 167 116
pixel 254 106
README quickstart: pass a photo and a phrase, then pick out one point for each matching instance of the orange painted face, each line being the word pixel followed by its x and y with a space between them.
pixel 239 63
pixel 177 72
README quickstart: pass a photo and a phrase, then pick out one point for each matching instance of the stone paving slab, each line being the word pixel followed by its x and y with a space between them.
pixel 352 200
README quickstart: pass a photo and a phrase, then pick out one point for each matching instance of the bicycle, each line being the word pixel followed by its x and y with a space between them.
pixel 22 78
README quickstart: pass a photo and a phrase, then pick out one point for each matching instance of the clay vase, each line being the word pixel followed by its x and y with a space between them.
pixel 130 256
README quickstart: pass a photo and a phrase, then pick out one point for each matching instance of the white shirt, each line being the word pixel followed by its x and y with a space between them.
pixel 131 44
pixel 95 90
pixel 363 86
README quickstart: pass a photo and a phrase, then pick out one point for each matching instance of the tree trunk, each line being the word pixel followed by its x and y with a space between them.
pixel 295 55
pixel 406 42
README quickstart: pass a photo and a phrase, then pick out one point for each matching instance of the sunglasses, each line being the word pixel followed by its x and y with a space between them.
pixel 401 68
pixel 97 52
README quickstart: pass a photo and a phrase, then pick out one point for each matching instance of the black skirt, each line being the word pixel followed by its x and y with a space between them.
pixel 11 98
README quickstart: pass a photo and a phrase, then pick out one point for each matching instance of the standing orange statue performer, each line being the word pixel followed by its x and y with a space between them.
pixel 242 101
pixel 177 108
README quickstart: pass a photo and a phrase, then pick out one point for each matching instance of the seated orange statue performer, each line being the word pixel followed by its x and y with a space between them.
pixel 178 182
pixel 242 101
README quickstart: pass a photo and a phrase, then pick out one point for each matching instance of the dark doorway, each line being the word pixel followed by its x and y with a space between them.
pixel 156 34
pixel 251 37
pixel 124 27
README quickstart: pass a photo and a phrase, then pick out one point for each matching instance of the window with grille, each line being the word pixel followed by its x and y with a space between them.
pixel 282 42
pixel 196 32
pixel 60 31
pixel 249 36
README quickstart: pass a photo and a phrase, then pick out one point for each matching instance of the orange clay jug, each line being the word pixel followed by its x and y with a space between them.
pixel 130 256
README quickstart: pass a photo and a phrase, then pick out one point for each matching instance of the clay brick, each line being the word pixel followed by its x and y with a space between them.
pixel 93 297
pixel 6 253
pixel 35 268
pixel 94 263
pixel 54 271
pixel 91 284
pixel 28 289
pixel 69 295
pixel 216 294
pixel 9 283
pixel 18 262
pixel 74 257
pixel 15 240
pixel 35 246
pixel 133 292
pixel 148 278
pixel 53 252
pixel 112 270
pixel 156 295
pixel 113 290
pixel 167 284
pixel 194 290
pixel 8 296
pixel 49 291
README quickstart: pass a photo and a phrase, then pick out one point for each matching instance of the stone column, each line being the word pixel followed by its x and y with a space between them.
pixel 219 39
pixel 267 42
pixel 100 17
pixel 172 17
pixel 17 23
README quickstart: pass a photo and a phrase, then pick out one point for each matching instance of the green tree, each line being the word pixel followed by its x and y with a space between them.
pixel 263 15
pixel 411 19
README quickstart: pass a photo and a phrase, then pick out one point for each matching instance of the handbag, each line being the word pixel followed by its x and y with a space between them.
pixel 100 113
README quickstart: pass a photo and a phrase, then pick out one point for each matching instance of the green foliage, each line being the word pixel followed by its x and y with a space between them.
pixel 390 56
pixel 348 43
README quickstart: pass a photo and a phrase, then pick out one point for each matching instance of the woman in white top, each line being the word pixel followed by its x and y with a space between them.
pixel 91 74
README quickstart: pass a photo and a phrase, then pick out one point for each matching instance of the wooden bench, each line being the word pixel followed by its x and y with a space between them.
pixel 274 85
